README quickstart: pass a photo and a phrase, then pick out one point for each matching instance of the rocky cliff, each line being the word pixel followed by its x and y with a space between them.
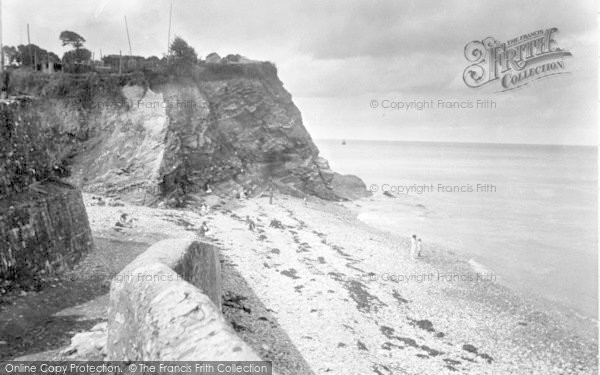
pixel 158 136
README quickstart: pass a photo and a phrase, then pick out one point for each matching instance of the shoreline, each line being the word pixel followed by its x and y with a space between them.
pixel 477 262
pixel 444 255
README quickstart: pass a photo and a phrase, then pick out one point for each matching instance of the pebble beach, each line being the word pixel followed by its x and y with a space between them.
pixel 315 290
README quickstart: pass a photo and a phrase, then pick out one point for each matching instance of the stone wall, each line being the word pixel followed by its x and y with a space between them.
pixel 156 313
pixel 43 231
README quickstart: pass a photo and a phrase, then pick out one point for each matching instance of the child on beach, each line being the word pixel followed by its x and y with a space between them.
pixel 413 245
pixel 203 229
pixel 270 194
pixel 419 247
pixel 250 223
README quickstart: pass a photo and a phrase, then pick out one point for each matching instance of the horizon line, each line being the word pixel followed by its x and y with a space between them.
pixel 458 142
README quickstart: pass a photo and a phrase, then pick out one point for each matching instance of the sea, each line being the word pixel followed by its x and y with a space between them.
pixel 525 213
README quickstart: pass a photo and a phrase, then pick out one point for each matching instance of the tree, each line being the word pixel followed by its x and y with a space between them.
pixel 152 62
pixel 77 56
pixel 183 51
pixel 53 58
pixel 11 53
pixel 30 54
pixel 233 58
pixel 27 55
pixel 71 38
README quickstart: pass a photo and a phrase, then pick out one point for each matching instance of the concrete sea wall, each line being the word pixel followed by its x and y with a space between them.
pixel 166 305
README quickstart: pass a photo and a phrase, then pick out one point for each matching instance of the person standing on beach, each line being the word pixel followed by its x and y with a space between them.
pixel 250 223
pixel 413 245
pixel 419 248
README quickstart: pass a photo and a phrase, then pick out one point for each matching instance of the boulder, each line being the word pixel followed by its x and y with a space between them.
pixel 87 346
pixel 349 187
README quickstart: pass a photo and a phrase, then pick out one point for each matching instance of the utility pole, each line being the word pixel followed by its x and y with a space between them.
pixel 128 39
pixel 29 45
pixel 169 36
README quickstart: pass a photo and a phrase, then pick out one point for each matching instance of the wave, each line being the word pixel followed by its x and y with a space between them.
pixel 478 267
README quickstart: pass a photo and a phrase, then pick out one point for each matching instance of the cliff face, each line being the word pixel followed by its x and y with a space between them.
pixel 152 137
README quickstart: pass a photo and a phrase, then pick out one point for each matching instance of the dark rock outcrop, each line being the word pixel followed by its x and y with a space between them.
pixel 348 186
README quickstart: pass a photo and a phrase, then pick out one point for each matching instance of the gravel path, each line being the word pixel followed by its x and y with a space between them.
pixel 46 319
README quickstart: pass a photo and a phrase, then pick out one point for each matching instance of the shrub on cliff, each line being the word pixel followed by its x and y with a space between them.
pixel 84 93
pixel 183 57
pixel 258 70
pixel 182 51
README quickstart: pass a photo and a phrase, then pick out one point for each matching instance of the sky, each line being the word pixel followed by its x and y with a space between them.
pixel 341 58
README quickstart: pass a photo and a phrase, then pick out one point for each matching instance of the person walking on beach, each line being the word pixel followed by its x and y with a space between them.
pixel 413 245
pixel 419 248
